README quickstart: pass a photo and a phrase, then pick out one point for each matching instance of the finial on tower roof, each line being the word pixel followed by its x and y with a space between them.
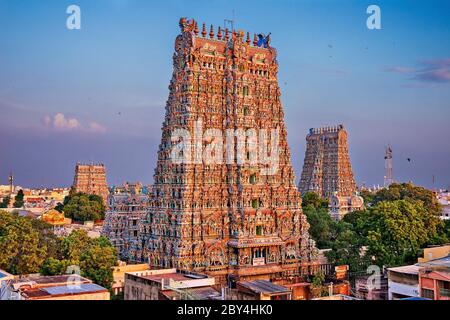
pixel 204 30
pixel 219 33
pixel 255 40
pixel 227 37
pixel 196 28
pixel 182 23
pixel 248 38
pixel 211 32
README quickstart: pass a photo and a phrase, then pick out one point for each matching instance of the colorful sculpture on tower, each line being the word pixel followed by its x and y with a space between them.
pixel 239 218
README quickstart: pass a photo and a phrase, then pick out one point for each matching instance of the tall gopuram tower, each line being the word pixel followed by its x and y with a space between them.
pixel 91 179
pixel 232 219
pixel 327 169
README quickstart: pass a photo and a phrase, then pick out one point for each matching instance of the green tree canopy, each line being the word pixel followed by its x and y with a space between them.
pixel 83 207
pixel 313 199
pixel 28 246
pixel 21 251
pixel 399 222
pixel 18 203
pixel 5 202
pixel 410 192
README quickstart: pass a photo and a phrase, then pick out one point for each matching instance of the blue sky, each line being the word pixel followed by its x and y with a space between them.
pixel 61 91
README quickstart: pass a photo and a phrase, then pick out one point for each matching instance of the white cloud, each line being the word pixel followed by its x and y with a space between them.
pixel 96 127
pixel 63 123
pixel 60 122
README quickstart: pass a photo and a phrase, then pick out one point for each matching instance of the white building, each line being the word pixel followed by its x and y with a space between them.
pixel 444 200
pixel 403 282
pixel 5 279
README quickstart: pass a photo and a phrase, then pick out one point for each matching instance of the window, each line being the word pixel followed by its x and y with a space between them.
pixel 246 112
pixel 255 203
pixel 427 293
pixel 245 91
pixel 259 230
pixel 135 233
pixel 253 179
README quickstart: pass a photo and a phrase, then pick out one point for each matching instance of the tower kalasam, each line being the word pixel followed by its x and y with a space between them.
pixel 227 220
pixel 327 169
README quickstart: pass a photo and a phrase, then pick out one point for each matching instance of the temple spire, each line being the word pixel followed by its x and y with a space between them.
pixel 196 28
pixel 204 30
pixel 211 32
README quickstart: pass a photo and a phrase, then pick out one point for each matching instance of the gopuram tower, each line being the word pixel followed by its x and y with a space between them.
pixel 327 169
pixel 238 215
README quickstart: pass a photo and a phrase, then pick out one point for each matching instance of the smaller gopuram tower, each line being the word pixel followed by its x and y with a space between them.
pixel 91 179
pixel 327 168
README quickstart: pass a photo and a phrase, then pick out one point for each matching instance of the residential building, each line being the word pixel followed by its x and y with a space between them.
pixel 119 274
pixel 63 287
pixel 169 284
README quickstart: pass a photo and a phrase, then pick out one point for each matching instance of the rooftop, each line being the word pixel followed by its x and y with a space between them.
pixel 42 281
pixel 58 291
pixel 440 262
pixel 412 269
pixel 264 286
pixel 43 287
pixel 174 276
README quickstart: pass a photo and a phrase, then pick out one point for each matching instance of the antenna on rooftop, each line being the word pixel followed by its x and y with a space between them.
pixel 227 23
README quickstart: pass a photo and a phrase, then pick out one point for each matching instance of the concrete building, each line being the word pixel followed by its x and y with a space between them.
pixel 119 274
pixel 372 287
pixel 5 279
pixel 169 284
pixel 405 281
pixel 262 290
pixel 444 201
pixel 434 283
pixel 64 287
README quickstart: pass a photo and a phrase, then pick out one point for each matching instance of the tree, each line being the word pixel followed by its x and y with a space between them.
pixel 368 197
pixel 96 264
pixel 312 198
pixel 5 202
pixel 408 191
pixel 83 207
pixel 394 231
pixel 317 284
pixel 96 257
pixel 321 225
pixel 73 245
pixel 21 252
pixel 28 246
pixel 347 250
pixel 53 267
pixel 19 199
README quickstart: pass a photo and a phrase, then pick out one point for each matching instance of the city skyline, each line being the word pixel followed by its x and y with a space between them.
pixel 77 95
